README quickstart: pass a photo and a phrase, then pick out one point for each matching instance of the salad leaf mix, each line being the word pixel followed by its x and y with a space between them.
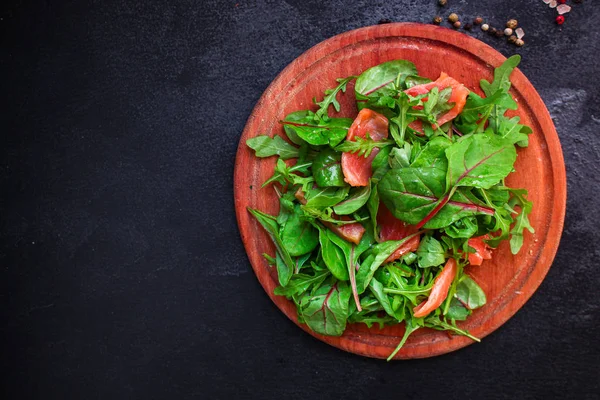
pixel 380 215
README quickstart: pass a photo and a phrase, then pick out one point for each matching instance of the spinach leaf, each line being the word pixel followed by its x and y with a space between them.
pixel 381 79
pixel 430 253
pixel 479 161
pixel 373 207
pixel 326 311
pixel 265 146
pixel 298 236
pixel 319 132
pixel 269 223
pixel 457 311
pixel 469 293
pixel 325 197
pixel 327 169
pixel 357 198
pixel 284 272
pixel 333 256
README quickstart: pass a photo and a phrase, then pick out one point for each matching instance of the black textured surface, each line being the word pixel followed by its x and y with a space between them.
pixel 122 272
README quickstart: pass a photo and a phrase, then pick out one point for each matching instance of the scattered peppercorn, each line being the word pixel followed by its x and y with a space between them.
pixel 485 27
pixel 512 39
pixel 442 2
pixel 578 1
pixel 453 17
pixel 385 21
pixel 519 42
pixel 437 20
pixel 468 26
pixel 492 31
pixel 499 33
pixel 508 31
pixel 560 19
pixel 478 21
pixel 512 23
pixel 456 25
pixel 562 1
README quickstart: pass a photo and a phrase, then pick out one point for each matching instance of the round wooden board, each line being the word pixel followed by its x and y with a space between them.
pixel 509 281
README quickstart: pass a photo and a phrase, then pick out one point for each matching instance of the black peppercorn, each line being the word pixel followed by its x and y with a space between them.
pixel 442 2
pixel 512 39
pixel 492 31
pixel 385 21
pixel 499 33
pixel 468 26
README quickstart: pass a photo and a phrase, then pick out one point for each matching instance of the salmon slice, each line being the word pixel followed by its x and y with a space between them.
pixel 357 169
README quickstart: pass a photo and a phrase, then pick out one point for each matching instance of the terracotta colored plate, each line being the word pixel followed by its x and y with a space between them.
pixel 509 281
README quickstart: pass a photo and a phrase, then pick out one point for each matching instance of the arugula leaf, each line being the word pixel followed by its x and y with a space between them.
pixel 264 146
pixel 282 172
pixel 326 311
pixel 522 220
pixel 411 326
pixel 330 98
pixel 362 147
pixel 501 76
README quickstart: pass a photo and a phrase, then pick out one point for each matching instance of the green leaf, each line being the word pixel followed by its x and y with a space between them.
pixel 284 271
pixel 301 116
pixel 510 130
pixel 325 197
pixel 479 161
pixel 298 236
pixel 326 311
pixel 378 291
pixel 300 283
pixel 381 79
pixel 463 228
pixel 401 157
pixel 333 256
pixel 430 253
pixel 357 198
pixel 362 147
pixel 501 76
pixel 415 80
pixel 373 208
pixel 469 293
pixel 320 132
pixel 270 225
pixel 457 311
pixel 330 98
pixel 411 326
pixel 522 219
pixel 265 146
pixel 327 169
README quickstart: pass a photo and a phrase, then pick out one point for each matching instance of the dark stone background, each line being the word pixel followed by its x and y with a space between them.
pixel 122 272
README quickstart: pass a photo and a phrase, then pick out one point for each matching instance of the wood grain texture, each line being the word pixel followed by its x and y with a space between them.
pixel 509 281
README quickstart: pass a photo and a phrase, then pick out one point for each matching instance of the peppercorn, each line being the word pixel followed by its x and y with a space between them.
pixel 385 21
pixel 519 42
pixel 478 21
pixel 499 33
pixel 560 19
pixel 453 17
pixel 442 2
pixel 512 39
pixel 456 25
pixel 508 31
pixel 492 31
pixel 468 26
pixel 437 20
pixel 512 23
pixel 485 27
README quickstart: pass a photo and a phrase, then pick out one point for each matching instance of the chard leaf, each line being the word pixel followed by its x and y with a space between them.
pixel 325 197
pixel 333 256
pixel 326 311
pixel 264 146
pixel 357 198
pixel 300 283
pixel 479 161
